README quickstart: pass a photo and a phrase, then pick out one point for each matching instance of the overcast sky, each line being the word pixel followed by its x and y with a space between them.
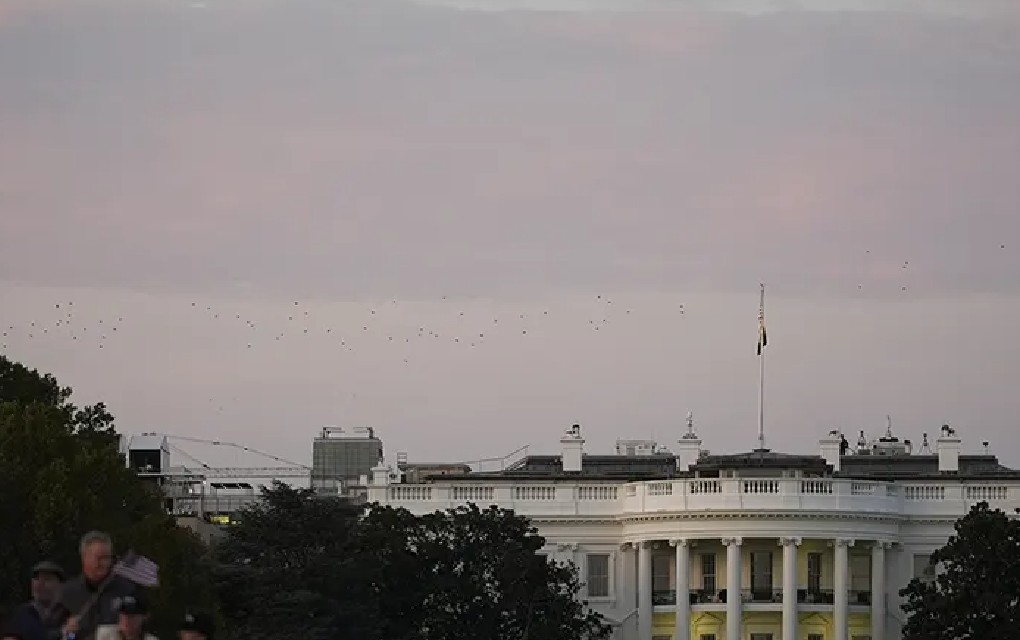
pixel 497 221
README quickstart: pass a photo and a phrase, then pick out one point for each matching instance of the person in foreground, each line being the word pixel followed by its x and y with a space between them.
pixel 197 626
pixel 94 597
pixel 133 613
pixel 34 620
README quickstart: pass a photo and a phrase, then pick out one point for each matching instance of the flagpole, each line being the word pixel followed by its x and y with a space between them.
pixel 761 371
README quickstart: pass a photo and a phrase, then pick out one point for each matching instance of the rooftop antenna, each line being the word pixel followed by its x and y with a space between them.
pixel 924 445
pixel 690 427
pixel 985 445
pixel 762 341
pixel 888 426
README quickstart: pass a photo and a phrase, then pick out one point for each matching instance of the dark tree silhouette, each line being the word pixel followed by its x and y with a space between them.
pixel 300 566
pixel 976 592
pixel 70 478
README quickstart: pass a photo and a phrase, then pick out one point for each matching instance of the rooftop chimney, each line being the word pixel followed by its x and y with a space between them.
pixel 689 447
pixel 830 448
pixel 573 448
pixel 380 475
pixel 948 448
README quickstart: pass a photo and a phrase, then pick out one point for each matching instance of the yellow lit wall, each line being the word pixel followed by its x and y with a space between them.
pixel 714 622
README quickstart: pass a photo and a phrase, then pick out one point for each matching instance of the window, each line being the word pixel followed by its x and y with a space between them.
pixel 860 573
pixel 815 636
pixel 707 636
pixel 660 573
pixel 598 575
pixel 923 568
pixel 861 638
pixel 761 574
pixel 708 572
pixel 814 573
pixel 761 636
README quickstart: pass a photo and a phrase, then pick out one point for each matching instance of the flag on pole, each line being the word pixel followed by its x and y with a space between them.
pixel 762 339
pixel 138 569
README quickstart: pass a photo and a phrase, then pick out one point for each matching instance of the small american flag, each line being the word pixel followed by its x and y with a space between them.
pixel 138 569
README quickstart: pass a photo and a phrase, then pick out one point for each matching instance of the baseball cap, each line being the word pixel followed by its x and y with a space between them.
pixel 51 568
pixel 133 606
pixel 199 622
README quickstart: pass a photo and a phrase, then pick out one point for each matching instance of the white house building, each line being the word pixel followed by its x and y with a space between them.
pixel 686 545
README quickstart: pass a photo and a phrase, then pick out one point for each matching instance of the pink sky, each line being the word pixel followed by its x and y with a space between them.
pixel 249 154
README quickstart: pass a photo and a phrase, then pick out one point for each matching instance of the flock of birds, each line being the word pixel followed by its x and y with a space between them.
pixel 473 327
pixel 62 323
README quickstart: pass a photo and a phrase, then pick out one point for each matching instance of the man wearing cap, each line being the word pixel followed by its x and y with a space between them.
pixel 197 626
pixel 35 620
pixel 132 614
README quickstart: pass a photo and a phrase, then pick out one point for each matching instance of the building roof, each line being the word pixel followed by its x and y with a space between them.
pixel 901 467
pixel 593 467
pixel 649 467
pixel 762 459
pixel 147 442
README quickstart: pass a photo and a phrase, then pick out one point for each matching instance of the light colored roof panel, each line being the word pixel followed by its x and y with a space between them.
pixel 146 442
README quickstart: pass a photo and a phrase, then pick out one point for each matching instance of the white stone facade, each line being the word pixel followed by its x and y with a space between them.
pixel 812 558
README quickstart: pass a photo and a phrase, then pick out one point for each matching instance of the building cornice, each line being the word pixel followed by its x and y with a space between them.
pixel 747 515
pixel 743 516
pixel 759 516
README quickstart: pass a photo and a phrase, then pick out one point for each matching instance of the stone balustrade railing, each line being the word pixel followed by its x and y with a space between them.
pixel 537 498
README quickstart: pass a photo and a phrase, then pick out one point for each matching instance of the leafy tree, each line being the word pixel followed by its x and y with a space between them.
pixel 70 478
pixel 468 573
pixel 976 592
pixel 283 572
pixel 22 385
pixel 300 566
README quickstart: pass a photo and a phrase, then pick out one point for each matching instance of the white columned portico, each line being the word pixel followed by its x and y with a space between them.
pixel 790 587
pixel 682 627
pixel 840 573
pixel 878 610
pixel 733 587
pixel 644 590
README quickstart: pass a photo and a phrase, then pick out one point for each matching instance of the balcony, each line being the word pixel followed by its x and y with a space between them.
pixel 822 598
pixel 815 596
pixel 708 495
pixel 763 596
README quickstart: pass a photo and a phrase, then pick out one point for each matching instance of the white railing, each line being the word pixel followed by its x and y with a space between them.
pixel 705 495
pixel 986 492
pixel 597 492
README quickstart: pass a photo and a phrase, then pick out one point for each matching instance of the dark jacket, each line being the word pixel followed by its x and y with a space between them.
pixel 32 625
pixel 77 594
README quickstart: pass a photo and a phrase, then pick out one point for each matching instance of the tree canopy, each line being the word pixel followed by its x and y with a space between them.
pixel 300 566
pixel 69 478
pixel 283 571
pixel 976 592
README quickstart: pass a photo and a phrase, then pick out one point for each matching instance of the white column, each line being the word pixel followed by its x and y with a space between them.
pixel 644 590
pixel 878 612
pixel 840 573
pixel 790 587
pixel 682 628
pixel 732 587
